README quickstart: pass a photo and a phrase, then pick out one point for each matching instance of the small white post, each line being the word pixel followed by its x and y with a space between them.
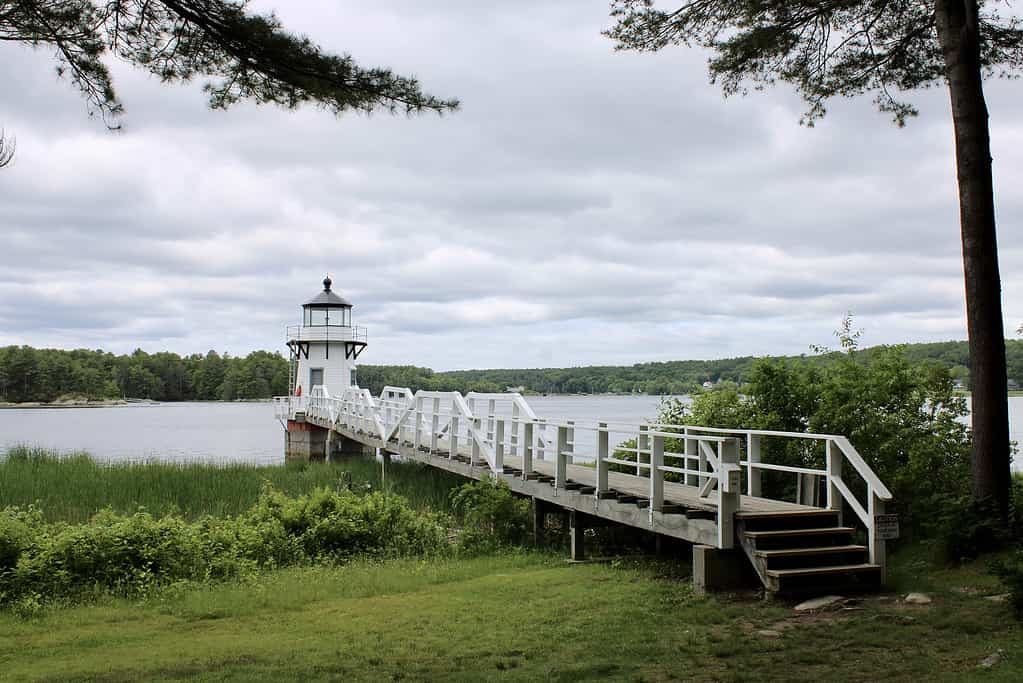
pixel 499 446
pixel 435 426
pixel 513 438
pixel 453 436
pixel 701 465
pixel 753 487
pixel 417 434
pixel 729 490
pixel 692 448
pixel 642 444
pixel 491 415
pixel 602 448
pixel 541 433
pixel 527 448
pixel 657 475
pixel 561 458
pixel 570 444
pixel 875 506
pixel 474 458
pixel 833 464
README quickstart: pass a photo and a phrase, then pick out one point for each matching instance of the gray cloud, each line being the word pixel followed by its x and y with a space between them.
pixel 583 207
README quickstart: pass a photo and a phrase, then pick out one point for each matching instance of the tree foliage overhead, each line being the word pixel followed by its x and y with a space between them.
pixel 825 48
pixel 244 55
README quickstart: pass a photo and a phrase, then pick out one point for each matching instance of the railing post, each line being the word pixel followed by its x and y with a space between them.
pixel 499 446
pixel 656 475
pixel 527 448
pixel 453 436
pixel 570 442
pixel 561 458
pixel 602 448
pixel 491 416
pixel 435 426
pixel 474 457
pixel 833 464
pixel 417 434
pixel 642 444
pixel 729 490
pixel 541 434
pixel 875 506
pixel 513 438
pixel 691 447
pixel 701 465
pixel 753 473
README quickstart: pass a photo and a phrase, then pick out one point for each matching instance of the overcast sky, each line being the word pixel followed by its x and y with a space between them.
pixel 583 207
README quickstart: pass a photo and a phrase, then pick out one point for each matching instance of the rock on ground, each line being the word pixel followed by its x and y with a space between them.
pixel 991 660
pixel 918 599
pixel 818 603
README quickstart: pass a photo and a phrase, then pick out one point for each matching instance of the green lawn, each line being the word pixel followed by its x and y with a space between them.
pixel 517 616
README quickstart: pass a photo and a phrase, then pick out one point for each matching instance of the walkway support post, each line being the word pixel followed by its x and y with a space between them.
pixel 578 535
pixel 539 520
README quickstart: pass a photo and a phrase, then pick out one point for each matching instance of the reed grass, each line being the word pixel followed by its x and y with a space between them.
pixel 72 487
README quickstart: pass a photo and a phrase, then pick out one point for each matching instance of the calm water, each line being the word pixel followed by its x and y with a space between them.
pixel 248 432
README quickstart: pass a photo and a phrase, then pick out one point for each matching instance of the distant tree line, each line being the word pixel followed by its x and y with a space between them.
pixel 29 374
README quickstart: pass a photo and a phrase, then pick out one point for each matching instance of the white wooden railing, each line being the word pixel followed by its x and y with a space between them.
pixel 487 428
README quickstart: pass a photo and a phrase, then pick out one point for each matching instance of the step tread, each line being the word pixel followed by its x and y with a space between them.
pixel 779 533
pixel 782 552
pixel 812 571
pixel 787 513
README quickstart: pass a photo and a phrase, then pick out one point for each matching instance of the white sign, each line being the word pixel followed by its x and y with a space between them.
pixel 887 526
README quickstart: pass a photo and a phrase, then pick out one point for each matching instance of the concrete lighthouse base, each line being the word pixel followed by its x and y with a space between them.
pixel 308 442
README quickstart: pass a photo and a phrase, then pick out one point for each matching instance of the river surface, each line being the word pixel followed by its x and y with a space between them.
pixel 248 432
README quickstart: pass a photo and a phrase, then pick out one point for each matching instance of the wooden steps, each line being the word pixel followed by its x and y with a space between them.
pixel 806 552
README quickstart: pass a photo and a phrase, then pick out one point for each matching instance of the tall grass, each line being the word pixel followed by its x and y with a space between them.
pixel 72 487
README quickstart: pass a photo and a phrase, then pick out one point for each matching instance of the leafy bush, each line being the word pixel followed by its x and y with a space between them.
pixel 130 554
pixel 1010 571
pixel 904 418
pixel 490 513
pixel 963 529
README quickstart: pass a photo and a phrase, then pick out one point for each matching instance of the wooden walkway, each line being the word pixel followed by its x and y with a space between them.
pixel 719 506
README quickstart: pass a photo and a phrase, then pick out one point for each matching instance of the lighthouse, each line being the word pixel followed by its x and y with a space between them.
pixel 323 351
pixel 325 346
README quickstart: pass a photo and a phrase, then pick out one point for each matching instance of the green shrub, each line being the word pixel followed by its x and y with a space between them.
pixel 962 528
pixel 1010 571
pixel 490 513
pixel 131 554
pixel 902 416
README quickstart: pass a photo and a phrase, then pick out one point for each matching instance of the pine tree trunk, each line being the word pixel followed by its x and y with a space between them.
pixel 959 37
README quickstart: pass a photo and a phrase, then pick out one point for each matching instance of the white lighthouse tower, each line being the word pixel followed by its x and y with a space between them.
pixel 325 346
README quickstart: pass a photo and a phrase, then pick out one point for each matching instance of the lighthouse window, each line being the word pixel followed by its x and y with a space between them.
pixel 318 316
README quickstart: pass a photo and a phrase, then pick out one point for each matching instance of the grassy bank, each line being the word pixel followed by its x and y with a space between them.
pixel 73 487
pixel 518 616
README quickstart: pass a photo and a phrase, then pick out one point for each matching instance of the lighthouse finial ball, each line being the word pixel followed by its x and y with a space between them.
pixel 326 283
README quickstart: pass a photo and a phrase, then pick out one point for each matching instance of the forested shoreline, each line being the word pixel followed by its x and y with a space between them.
pixel 28 374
